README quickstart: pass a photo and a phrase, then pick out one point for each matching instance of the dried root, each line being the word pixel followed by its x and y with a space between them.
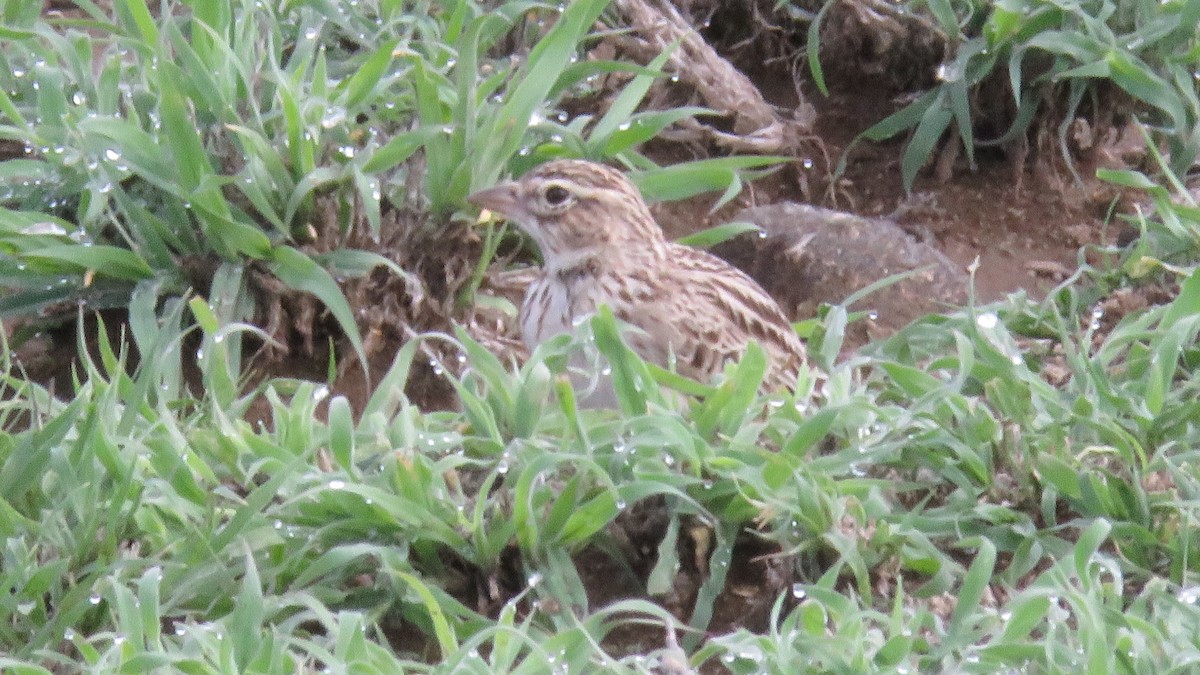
pixel 756 126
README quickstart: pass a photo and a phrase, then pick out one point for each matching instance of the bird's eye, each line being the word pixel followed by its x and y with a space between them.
pixel 556 195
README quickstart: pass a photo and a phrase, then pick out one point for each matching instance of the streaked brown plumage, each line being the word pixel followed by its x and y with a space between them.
pixel 601 246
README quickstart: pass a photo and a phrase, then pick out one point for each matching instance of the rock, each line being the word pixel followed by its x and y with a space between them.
pixel 809 255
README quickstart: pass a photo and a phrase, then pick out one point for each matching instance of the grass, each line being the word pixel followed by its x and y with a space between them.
pixel 1061 63
pixel 147 527
pixel 1005 487
pixel 223 135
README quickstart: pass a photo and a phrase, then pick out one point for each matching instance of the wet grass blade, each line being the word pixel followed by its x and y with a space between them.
pixel 301 273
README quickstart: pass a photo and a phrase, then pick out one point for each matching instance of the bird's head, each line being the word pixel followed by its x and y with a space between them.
pixel 573 207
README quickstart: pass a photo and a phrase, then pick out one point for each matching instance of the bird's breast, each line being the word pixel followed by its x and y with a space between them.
pixel 561 297
pixel 552 306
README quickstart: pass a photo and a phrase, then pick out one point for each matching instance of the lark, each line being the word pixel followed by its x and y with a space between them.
pixel 601 246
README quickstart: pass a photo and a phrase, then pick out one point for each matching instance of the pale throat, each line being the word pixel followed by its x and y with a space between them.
pixel 617 255
pixel 574 261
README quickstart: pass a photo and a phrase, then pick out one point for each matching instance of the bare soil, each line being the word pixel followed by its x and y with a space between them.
pixel 1024 223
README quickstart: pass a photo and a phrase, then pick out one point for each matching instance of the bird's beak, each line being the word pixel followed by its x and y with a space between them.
pixel 501 199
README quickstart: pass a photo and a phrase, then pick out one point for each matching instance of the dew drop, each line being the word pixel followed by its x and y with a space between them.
pixel 751 654
pixel 333 117
pixel 45 228
pixel 987 320
pixel 337 484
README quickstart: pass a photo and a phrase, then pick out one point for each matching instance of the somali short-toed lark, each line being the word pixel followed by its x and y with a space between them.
pixel 601 246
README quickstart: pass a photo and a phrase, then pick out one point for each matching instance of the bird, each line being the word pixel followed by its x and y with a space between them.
pixel 600 245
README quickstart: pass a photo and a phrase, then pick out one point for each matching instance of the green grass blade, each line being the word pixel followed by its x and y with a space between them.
pixel 111 261
pixel 302 273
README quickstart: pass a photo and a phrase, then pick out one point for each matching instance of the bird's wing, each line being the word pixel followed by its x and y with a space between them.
pixel 707 311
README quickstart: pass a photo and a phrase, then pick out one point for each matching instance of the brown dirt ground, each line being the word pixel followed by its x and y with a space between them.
pixel 1025 227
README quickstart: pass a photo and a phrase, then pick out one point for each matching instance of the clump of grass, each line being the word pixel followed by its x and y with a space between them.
pixel 946 504
pixel 163 149
pixel 1101 60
